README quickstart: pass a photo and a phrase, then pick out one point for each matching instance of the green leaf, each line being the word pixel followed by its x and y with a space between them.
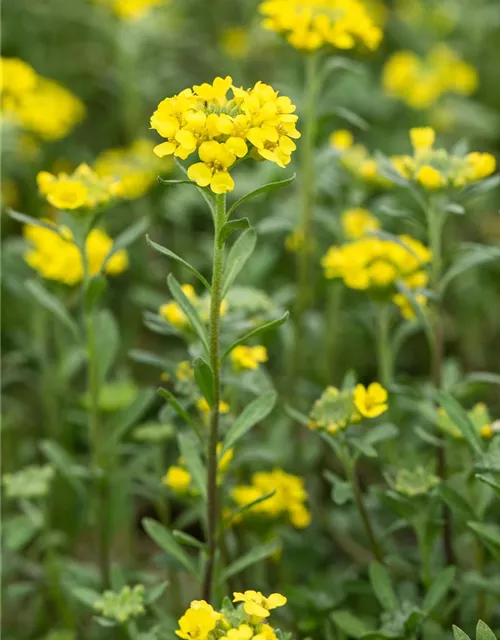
pixel 240 252
pixel 483 632
pixel 296 415
pixel 494 485
pixel 439 588
pixel 488 533
pixel 154 593
pixel 125 239
pixel 189 309
pixel 52 304
pixel 253 413
pixel 382 587
pixel 351 117
pixel 256 554
pixel 107 338
pixel 475 256
pixel 458 634
pixel 18 531
pixel 190 541
pixel 204 378
pixel 455 501
pixel 127 417
pixel 190 451
pixel 163 538
pixel 273 324
pixel 36 222
pixel 174 256
pixel 95 289
pixel 459 417
pixel 86 596
pixel 229 227
pixel 270 186
pixel 349 623
pixel 179 409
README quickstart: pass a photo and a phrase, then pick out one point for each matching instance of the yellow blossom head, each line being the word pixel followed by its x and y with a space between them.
pixel 198 621
pixel 358 222
pixel 341 139
pixel 257 605
pixel 405 307
pixel 422 138
pixel 218 129
pixel 244 357
pixel 370 401
pixel 178 479
pixel 309 25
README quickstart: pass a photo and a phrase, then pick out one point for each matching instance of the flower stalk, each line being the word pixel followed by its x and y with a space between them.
pixel 212 514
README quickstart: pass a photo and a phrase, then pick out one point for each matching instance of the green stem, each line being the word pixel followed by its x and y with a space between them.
pixel 435 223
pixel 424 554
pixel 481 595
pixel 351 472
pixel 304 280
pixel 213 436
pixel 332 331
pixel 384 348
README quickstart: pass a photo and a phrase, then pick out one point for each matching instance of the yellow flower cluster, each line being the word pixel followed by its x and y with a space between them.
pixel 56 257
pixel 135 167
pixel 311 24
pixel 405 307
pixel 244 357
pixel 421 82
pixel 248 621
pixel 83 189
pixel 223 131
pixel 480 418
pixel 179 480
pixel 357 223
pixel 436 169
pixel 335 410
pixel 356 159
pixel 378 263
pixel 288 501
pixel 172 313
pixel 37 104
pixel 130 10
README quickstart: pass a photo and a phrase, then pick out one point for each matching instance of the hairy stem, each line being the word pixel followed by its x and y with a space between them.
pixel 385 357
pixel 360 504
pixel 213 436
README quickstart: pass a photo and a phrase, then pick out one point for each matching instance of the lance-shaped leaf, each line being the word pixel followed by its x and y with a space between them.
pixel 253 413
pixel 475 255
pixel 188 540
pixel 382 587
pixel 229 227
pixel 189 309
pixel 246 507
pixel 36 222
pixel 162 536
pixel 189 449
pixel 273 324
pixel 125 239
pixel 439 588
pixel 240 252
pixel 256 554
pixel 52 304
pixel 204 378
pixel 205 193
pixel 460 418
pixel 179 409
pixel 170 254
pixel 271 186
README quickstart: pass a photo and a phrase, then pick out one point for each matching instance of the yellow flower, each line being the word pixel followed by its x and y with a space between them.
pixel 222 128
pixel 177 479
pixel 184 371
pixel 243 632
pixel 213 170
pixel 244 357
pixel 372 401
pixel 234 42
pixel 405 306
pixel 131 10
pixel 479 166
pixel 486 432
pixel 56 257
pixel 341 139
pixel 422 138
pixel 16 76
pixel 358 222
pixel 172 313
pixel 257 605
pixel 312 24
pixel 67 194
pixel 198 621
pixel 430 178
pixel 288 500
pixel 420 82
